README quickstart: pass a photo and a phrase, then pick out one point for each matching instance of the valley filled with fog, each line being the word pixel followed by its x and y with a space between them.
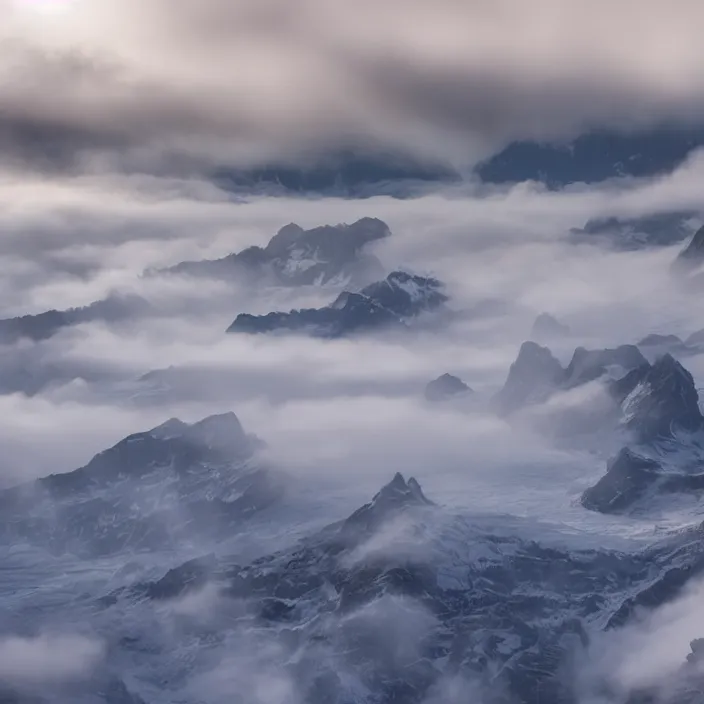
pixel 337 413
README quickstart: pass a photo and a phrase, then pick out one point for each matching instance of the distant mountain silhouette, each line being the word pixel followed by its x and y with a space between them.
pixel 655 230
pixel 393 302
pixel 42 326
pixel 344 173
pixel 593 157
pixel 330 254
pixel 446 387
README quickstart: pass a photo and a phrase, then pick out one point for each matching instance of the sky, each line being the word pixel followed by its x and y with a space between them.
pixel 172 88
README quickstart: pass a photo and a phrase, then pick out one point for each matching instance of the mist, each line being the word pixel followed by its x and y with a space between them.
pixel 353 539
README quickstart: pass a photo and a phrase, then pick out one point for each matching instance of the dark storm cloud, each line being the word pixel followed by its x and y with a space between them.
pixel 158 85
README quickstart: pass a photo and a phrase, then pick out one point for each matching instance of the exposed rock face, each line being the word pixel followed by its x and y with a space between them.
pixel 445 387
pixel 393 302
pixel 508 620
pixel 537 374
pixel 659 404
pixel 627 478
pixel 534 375
pixel 653 400
pixel 406 295
pixel 658 400
pixel 588 365
pixel 331 254
pixel 396 496
pixel 692 256
pixel 150 490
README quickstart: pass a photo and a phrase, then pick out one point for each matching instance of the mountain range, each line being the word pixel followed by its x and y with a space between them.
pixel 403 600
pixel 653 407
pixel 594 156
pixel 391 303
pixel 173 484
pixel 591 157
pixel 326 255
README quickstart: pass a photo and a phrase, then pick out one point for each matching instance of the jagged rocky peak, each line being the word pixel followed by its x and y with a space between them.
pixel 367 230
pixel 329 254
pixel 588 365
pixel 660 399
pixel 401 492
pixel 395 496
pixel 284 238
pixel 216 439
pixel 387 303
pixel 214 430
pixel 697 654
pixel 692 256
pixel 151 491
pixel 547 327
pixel 667 367
pixel 535 357
pixel 628 476
pixel 407 294
pixel 328 240
pixel 532 377
pixel 445 387
pixel 169 429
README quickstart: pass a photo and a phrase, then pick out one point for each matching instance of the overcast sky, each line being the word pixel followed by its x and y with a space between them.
pixel 157 84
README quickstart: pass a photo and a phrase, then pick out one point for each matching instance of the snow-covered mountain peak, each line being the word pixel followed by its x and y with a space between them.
pixel 324 255
pixel 389 303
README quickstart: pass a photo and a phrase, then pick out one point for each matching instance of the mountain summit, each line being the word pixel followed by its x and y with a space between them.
pixel 329 254
pixel 660 399
pixel 392 302
pixel 446 387
pixel 692 256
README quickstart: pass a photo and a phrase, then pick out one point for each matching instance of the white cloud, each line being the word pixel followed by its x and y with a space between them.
pixel 48 659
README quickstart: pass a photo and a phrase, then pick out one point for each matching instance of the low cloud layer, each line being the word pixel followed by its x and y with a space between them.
pixel 50 659
pixel 150 86
pixel 648 655
pixel 505 244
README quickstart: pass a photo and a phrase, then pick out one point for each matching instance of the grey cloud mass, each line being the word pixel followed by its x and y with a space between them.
pixel 114 117
pixel 159 86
